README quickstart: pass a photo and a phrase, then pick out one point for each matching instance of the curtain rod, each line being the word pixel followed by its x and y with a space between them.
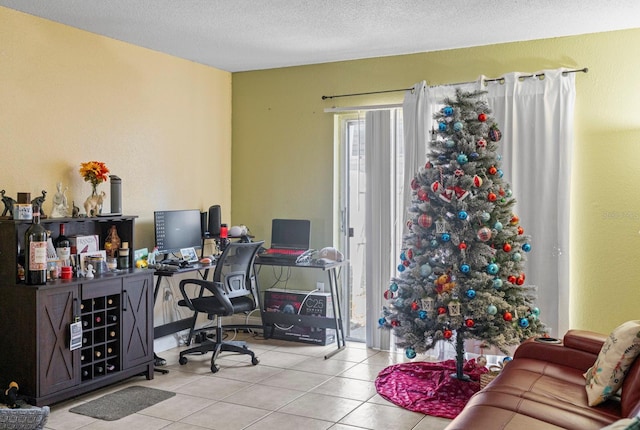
pixel 501 80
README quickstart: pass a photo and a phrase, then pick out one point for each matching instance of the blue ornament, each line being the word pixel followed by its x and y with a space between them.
pixel 425 270
pixel 492 310
pixel 462 159
pixel 401 267
pixel 410 353
pixel 450 143
pixel 497 283
pixel 493 269
pixel 535 311
pixel 500 173
pixel 403 256
pixel 465 268
pixel 471 294
pixel 448 111
pixel 442 158
pixel 446 237
pixel 498 157
pixel 393 287
pixel 524 323
pixel 509 193
pixel 422 314
pixel 457 126
pixel 463 215
pixel 526 247
pixel 442 126
pixel 399 302
pixel 506 360
pixel 498 226
pixel 516 256
pixel 382 321
pixel 474 155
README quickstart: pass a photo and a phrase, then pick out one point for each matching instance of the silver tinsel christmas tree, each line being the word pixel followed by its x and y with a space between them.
pixel 461 273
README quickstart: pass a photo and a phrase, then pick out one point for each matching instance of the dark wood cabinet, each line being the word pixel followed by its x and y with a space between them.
pixel 115 311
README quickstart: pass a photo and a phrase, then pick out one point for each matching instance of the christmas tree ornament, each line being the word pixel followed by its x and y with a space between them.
pixel 401 268
pixel 495 134
pixel 460 193
pixel 484 234
pixel 425 221
pixel 493 269
pixel 406 263
pixel 458 126
pixel 433 243
pixel 520 280
pixel 492 310
pixel 462 159
pixel 415 184
pixel 471 293
pixel 403 256
pixel 469 322
pixel 520 230
pixel 506 247
pixel 447 111
pixel 514 220
pixel 382 321
pixel 481 143
pixel 422 314
pixel 428 165
pixel 425 270
pixel 463 215
pixel 409 254
pixel 498 226
pixel 511 279
pixel 477 181
pixel 388 295
pixel 442 310
pixel 449 143
pixel 465 268
pixel 422 195
pixel 458 173
pixel 399 303
pixel 454 308
pixel 441 226
pixel 395 323
pixel 482 117
pixel 445 237
pixel 507 316
pixel 410 353
pixel 500 173
pixel 497 283
pixel 492 170
pixel 526 247
pixel 436 187
pixel 509 192
pixel 414 306
pixel 462 246
pixel 492 197
pixel 523 322
pixel 427 303
pixel 516 256
pixel 474 155
pixel 535 311
pixel 485 216
pixel 442 126
pixel 447 334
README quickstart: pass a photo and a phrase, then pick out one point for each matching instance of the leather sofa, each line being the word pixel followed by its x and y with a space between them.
pixel 543 387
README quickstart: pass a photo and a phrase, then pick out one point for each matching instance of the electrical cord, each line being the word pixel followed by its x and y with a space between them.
pixel 299 310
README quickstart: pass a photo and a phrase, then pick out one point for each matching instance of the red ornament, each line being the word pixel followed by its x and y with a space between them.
pixel 501 192
pixel 414 306
pixel 482 117
pixel 415 184
pixel 425 220
pixel 492 197
pixel 511 279
pixel 477 181
pixel 442 310
pixel 447 334
pixel 514 220
pixel 458 173
pixel 507 316
pixel 481 143
pixel 436 186
pixel 406 263
pixel 469 322
pixel 520 230
pixel 495 134
pixel 428 165
pixel 409 253
pixel 395 323
pixel 492 170
pixel 388 295
pixel 462 246
pixel 520 280
pixel 422 195
pixel 506 247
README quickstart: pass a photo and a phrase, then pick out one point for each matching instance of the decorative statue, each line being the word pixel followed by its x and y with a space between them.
pixel 88 273
pixel 8 204
pixel 75 211
pixel 40 202
pixel 60 205
pixel 93 204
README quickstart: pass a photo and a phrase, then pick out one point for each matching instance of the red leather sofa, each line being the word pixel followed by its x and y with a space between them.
pixel 543 387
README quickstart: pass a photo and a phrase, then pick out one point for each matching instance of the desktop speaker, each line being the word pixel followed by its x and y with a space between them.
pixel 214 220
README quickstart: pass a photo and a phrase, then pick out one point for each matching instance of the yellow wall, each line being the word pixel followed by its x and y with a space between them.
pixel 283 149
pixel 160 123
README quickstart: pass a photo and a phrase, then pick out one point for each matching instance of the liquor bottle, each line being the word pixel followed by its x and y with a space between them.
pixel 35 245
pixel 63 247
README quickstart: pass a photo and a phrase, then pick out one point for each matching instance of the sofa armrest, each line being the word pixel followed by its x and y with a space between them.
pixel 578 350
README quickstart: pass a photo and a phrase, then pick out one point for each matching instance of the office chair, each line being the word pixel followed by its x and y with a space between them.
pixel 233 290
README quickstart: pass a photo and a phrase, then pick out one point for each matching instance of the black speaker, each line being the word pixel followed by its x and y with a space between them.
pixel 214 220
pixel 203 223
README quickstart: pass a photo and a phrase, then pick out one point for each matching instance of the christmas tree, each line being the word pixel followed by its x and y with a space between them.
pixel 461 274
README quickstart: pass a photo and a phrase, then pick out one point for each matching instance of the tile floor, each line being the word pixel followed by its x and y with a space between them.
pixel 293 387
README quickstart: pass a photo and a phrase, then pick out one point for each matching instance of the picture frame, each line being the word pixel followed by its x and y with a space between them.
pixel 189 255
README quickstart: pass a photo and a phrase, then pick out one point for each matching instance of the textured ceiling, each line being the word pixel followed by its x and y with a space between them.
pixel 241 35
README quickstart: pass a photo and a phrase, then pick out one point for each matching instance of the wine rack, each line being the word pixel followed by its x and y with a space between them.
pixel 101 340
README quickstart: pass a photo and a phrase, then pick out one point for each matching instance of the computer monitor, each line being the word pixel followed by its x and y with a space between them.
pixel 177 229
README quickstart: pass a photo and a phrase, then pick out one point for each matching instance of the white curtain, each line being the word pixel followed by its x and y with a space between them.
pixel 536 117
pixel 378 213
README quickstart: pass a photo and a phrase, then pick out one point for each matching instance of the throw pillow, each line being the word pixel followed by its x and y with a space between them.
pixel 624 424
pixel 619 351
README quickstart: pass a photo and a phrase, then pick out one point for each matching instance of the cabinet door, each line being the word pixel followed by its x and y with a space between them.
pixel 137 320
pixel 59 366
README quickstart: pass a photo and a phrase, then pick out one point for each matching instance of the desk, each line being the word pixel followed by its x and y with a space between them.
pixel 335 322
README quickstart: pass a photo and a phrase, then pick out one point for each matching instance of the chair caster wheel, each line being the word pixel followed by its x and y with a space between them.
pixel 183 360
pixel 214 369
pixel 254 360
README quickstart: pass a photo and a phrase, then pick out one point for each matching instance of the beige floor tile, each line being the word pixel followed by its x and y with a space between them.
pixel 211 387
pixel 177 407
pixel 263 397
pixel 322 366
pixel 348 388
pixel 379 417
pixel 296 380
pixel 279 421
pixel 355 355
pixel 282 359
pixel 365 372
pixel 134 421
pixel 225 416
pixel 432 423
pixel 321 407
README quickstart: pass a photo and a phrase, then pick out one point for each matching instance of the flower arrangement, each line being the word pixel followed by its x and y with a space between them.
pixel 94 172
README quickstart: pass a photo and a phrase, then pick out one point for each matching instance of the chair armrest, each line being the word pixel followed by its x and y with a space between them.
pixel 579 350
pixel 215 288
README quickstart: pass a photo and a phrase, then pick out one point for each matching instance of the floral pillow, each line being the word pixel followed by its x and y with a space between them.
pixel 619 351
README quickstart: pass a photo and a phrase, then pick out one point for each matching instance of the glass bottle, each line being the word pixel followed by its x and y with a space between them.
pixel 35 244
pixel 63 247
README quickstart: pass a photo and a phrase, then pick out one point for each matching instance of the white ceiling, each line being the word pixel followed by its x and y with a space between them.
pixel 241 35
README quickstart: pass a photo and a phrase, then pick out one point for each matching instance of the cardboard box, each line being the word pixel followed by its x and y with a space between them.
pixel 80 244
pixel 296 302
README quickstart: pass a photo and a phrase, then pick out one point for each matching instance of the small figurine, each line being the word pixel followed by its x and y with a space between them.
pixel 40 202
pixel 112 243
pixel 60 205
pixel 151 259
pixel 93 204
pixel 8 204
pixel 75 210
pixel 89 271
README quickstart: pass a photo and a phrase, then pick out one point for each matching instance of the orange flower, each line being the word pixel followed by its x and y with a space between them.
pixel 94 172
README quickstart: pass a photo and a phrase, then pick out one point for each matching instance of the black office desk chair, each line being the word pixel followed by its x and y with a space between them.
pixel 234 290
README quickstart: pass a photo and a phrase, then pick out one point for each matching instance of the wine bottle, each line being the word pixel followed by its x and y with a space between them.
pixel 35 245
pixel 109 350
pixel 99 370
pixel 63 247
pixel 85 373
pixel 98 354
pixel 112 333
pixel 98 319
pixel 111 318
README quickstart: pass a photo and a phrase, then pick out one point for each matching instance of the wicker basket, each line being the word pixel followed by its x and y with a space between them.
pixel 485 378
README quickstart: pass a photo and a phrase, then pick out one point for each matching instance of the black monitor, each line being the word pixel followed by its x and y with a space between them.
pixel 175 230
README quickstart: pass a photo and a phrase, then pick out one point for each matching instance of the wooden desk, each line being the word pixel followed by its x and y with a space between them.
pixel 334 322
